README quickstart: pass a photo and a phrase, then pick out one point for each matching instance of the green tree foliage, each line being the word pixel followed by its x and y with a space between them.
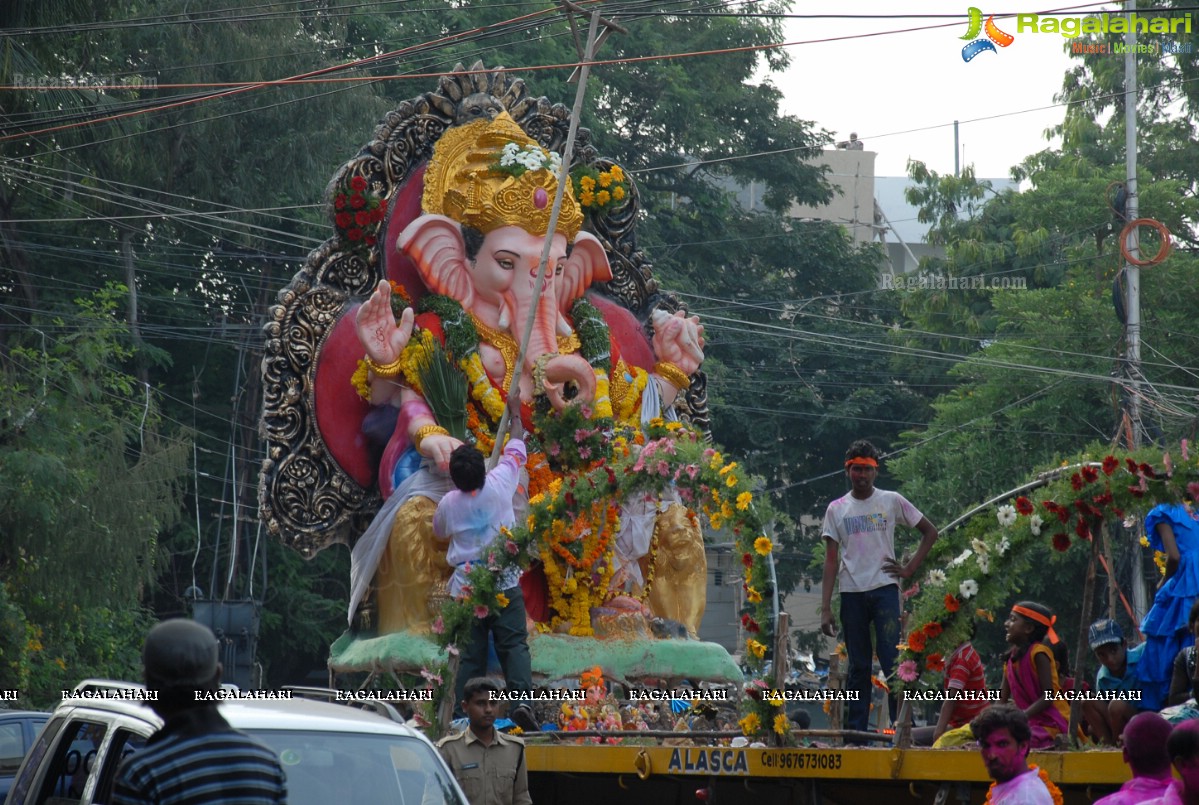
pixel 1035 379
pixel 1041 372
pixel 88 482
pixel 203 199
pixel 1167 101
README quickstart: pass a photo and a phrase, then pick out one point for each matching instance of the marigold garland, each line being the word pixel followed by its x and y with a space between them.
pixel 483 440
pixel 653 566
pixel 628 384
pixel 602 402
pixel 419 347
pixel 481 389
pixel 572 522
pixel 361 380
pixel 1054 791
pixel 540 475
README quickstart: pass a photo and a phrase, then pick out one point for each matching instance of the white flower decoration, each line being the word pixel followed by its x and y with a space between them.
pixel 1130 521
pixel 968 588
pixel 979 546
pixel 936 578
pixel 1003 545
pixel 530 157
pixel 1034 525
pixel 1006 515
pixel 984 563
pixel 962 557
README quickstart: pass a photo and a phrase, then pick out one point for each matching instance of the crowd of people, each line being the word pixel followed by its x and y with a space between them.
pixel 1144 695
pixel 1159 674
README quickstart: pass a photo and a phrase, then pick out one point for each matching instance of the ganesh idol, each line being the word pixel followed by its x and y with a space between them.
pixel 486 208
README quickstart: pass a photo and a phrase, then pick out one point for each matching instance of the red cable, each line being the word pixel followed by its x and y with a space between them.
pixel 1163 251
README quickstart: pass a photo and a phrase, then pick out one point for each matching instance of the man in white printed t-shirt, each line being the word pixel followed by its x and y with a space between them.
pixel 859 541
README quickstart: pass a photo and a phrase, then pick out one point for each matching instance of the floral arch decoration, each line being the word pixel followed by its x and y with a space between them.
pixel 1063 508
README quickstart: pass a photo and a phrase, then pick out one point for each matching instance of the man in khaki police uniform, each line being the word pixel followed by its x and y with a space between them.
pixel 489 765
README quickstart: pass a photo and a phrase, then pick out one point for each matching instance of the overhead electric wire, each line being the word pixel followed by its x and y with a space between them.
pixel 194 219
pixel 312 76
pixel 978 360
pixel 193 18
pixel 238 88
pixel 101 193
pixel 259 454
pixel 522 25
pixel 939 334
pixel 723 159
pixel 932 438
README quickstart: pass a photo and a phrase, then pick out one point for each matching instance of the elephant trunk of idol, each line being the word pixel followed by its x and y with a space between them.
pixel 566 379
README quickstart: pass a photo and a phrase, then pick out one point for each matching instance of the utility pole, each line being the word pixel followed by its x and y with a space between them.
pixel 1132 281
pixel 594 42
pixel 1132 274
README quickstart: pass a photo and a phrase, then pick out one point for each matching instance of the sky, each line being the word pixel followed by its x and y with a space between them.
pixel 885 85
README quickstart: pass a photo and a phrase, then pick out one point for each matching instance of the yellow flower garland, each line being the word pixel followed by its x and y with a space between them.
pixel 628 384
pixel 572 589
pixel 653 565
pixel 361 380
pixel 481 389
pixel 602 403
pixel 413 356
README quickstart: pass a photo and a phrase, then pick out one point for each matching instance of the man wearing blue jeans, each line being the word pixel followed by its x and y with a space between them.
pixel 470 517
pixel 859 541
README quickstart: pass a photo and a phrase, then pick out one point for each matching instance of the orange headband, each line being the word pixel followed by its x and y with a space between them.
pixel 861 462
pixel 1033 615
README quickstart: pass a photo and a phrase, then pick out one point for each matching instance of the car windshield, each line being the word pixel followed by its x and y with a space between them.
pixel 324 767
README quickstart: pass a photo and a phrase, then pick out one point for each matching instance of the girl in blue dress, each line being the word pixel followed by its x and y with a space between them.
pixel 1173 528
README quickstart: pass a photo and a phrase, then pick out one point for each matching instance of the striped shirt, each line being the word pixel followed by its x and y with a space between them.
pixel 198 759
pixel 964 671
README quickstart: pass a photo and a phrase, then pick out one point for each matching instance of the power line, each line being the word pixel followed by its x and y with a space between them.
pixel 318 75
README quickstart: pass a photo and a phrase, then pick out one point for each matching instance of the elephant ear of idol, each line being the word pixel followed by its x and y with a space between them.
pixel 319 480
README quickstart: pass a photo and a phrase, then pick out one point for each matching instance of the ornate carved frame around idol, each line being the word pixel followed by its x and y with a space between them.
pixel 305 496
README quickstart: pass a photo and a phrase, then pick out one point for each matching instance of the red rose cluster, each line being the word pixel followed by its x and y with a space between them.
pixel 357 216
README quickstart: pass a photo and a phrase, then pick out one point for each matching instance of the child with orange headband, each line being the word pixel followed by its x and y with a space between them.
pixel 1030 671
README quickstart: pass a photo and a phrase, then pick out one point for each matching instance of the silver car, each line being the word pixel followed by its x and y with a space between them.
pixel 332 753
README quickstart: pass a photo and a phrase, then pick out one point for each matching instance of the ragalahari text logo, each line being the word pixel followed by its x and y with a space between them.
pixel 978 44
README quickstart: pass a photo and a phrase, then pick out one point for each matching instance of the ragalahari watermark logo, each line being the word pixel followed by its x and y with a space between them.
pixel 1086 30
pixel 994 36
